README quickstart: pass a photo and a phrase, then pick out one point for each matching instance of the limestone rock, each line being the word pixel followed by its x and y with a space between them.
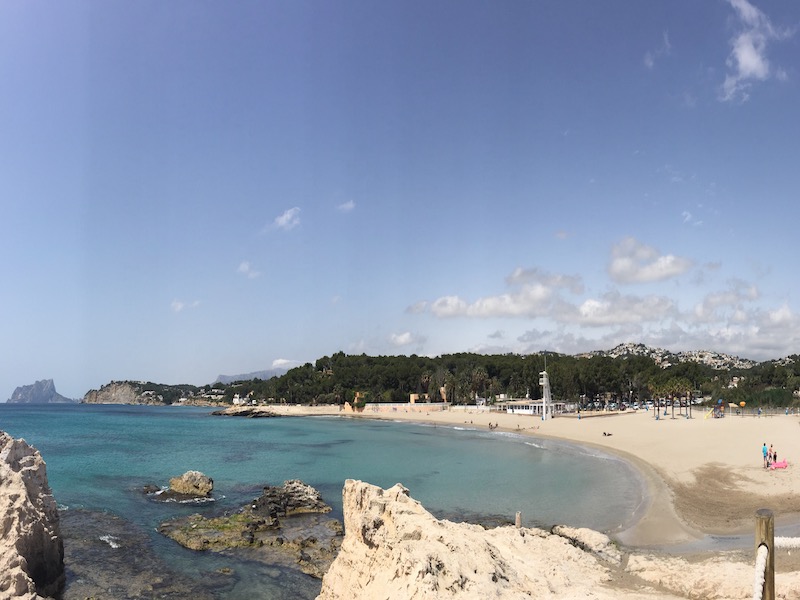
pixel 41 392
pixel 592 541
pixel 192 483
pixel 114 393
pixel 394 548
pixel 31 548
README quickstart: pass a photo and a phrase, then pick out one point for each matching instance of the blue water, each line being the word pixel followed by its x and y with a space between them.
pixel 99 458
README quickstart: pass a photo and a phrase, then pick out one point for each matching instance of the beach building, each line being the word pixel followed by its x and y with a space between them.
pixel 545 407
pixel 526 406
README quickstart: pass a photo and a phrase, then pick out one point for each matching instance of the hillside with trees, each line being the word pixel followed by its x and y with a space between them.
pixel 336 379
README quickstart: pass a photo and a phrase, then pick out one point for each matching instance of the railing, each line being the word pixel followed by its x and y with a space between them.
pixel 766 544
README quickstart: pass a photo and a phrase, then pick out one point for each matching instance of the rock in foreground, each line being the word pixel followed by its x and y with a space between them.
pixel 31 549
pixel 394 548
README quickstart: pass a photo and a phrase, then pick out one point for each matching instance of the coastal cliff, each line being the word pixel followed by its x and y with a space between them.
pixel 394 548
pixel 31 549
pixel 119 393
pixel 144 392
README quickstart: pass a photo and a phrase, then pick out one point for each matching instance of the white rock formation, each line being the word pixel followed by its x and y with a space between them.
pixel 31 549
pixel 394 549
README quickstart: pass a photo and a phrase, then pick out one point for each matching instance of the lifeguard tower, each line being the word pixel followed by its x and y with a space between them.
pixel 547 397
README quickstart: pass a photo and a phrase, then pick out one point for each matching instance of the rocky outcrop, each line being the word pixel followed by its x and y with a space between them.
pixel 251 412
pixel 285 524
pixel 292 498
pixel 394 548
pixel 41 392
pixel 192 483
pixel 118 393
pixel 145 392
pixel 31 548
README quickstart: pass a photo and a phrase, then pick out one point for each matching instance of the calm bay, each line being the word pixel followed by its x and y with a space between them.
pixel 99 457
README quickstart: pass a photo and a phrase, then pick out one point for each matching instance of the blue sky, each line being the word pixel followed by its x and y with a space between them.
pixel 192 188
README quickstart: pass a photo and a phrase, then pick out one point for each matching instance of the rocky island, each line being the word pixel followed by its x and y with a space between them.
pixel 41 392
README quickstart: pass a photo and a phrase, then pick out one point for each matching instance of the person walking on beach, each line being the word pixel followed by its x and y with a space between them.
pixel 764 452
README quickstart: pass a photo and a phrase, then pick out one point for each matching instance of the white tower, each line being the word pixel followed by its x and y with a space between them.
pixel 547 398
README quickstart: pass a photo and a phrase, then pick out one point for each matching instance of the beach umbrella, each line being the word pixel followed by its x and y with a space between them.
pixel 742 403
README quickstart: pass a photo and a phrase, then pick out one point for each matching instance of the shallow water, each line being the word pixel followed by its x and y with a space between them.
pixel 99 458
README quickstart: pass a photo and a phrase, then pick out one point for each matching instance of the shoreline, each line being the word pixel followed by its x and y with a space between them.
pixel 703 477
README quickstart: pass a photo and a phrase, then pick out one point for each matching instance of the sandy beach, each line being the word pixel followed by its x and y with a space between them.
pixel 704 475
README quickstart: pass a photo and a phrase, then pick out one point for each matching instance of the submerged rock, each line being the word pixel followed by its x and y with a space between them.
pixel 285 524
pixel 109 557
pixel 31 548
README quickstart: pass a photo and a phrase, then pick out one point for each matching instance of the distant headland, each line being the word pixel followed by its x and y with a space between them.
pixel 41 392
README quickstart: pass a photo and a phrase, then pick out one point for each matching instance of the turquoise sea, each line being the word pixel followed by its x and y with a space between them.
pixel 100 456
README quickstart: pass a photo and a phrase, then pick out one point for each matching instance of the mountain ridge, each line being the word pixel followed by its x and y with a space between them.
pixel 666 358
pixel 264 375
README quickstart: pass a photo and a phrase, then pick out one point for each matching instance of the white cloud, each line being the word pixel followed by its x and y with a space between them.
pixel 663 50
pixel 634 262
pixel 246 269
pixel 448 306
pixel 674 175
pixel 402 339
pixel 530 301
pixel 285 363
pixel 179 305
pixel 690 219
pixel 748 60
pixel 615 309
pixel 417 308
pixel 288 220
pixel 346 206
pixel 715 306
pixel 534 293
pixel 782 316
pixel 534 276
